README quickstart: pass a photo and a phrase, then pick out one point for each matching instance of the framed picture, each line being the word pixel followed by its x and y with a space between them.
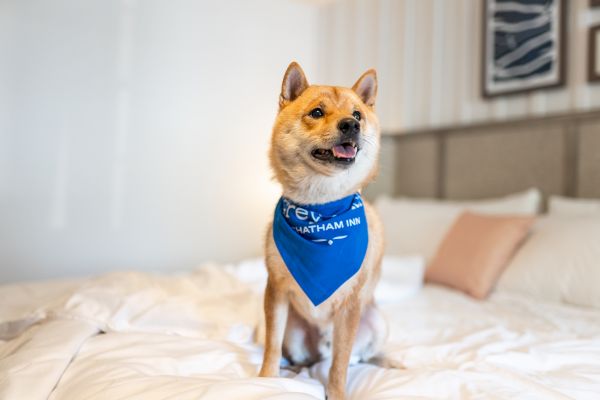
pixel 594 54
pixel 523 45
pixel 594 3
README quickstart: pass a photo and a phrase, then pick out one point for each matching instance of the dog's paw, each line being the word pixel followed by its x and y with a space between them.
pixel 268 373
pixel 335 394
pixel 293 368
pixel 385 362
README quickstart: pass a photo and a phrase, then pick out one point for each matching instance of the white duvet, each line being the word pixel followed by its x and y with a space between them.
pixel 139 336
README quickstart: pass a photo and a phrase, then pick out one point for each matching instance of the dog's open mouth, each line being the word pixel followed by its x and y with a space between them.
pixel 342 153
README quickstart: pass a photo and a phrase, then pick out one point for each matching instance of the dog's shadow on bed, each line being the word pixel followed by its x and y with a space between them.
pixel 320 369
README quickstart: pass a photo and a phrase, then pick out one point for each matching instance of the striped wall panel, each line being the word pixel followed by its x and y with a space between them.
pixel 428 56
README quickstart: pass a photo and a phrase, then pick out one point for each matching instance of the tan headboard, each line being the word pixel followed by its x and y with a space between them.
pixel 559 155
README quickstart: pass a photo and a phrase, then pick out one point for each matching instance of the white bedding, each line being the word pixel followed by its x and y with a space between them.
pixel 138 336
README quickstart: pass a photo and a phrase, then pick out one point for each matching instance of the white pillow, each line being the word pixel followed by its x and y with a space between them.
pixel 560 262
pixel 417 226
pixel 401 278
pixel 559 205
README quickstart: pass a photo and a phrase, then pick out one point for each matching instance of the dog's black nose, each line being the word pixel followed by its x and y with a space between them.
pixel 349 126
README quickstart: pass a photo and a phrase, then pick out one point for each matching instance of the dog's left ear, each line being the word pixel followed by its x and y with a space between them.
pixel 366 87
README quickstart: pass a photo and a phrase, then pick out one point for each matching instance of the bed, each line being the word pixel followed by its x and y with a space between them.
pixel 132 335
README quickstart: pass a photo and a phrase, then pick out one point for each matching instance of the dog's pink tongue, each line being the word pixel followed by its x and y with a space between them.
pixel 344 151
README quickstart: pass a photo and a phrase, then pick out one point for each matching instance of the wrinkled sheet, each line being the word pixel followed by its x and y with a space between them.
pixel 194 336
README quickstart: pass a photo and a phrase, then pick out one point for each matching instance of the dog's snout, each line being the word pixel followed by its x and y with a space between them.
pixel 349 126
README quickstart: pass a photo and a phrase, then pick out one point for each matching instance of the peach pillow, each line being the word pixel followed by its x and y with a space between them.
pixel 476 250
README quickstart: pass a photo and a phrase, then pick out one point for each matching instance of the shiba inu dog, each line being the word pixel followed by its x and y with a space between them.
pixel 324 248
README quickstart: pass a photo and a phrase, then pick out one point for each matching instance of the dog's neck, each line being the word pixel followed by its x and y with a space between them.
pixel 316 194
pixel 319 189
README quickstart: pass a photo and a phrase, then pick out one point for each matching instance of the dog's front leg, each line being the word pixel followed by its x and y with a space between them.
pixel 276 313
pixel 345 326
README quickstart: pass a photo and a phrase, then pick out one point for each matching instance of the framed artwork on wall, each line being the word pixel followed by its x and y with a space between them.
pixel 523 46
pixel 594 54
pixel 594 3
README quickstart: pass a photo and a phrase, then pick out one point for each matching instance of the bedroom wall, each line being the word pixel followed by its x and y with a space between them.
pixel 133 134
pixel 427 53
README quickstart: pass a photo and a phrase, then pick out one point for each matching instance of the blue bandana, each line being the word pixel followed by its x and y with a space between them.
pixel 322 245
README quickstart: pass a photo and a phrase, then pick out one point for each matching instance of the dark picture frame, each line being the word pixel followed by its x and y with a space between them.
pixel 594 54
pixel 523 46
pixel 594 3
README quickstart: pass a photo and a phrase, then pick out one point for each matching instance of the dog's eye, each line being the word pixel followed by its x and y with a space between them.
pixel 357 115
pixel 316 113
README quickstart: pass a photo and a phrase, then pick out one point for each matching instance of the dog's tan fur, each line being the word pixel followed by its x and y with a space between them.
pixel 348 323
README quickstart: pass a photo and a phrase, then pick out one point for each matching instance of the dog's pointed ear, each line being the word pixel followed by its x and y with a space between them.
pixel 366 87
pixel 294 83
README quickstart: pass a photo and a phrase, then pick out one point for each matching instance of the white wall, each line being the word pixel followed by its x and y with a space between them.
pixel 133 134
pixel 428 56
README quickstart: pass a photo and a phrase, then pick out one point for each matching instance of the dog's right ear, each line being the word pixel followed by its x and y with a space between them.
pixel 294 83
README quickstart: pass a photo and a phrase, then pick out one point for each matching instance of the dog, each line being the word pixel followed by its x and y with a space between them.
pixel 319 301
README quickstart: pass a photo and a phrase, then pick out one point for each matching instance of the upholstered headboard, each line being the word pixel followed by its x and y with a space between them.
pixel 559 155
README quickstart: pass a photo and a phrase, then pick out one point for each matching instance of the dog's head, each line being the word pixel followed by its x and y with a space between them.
pixel 325 142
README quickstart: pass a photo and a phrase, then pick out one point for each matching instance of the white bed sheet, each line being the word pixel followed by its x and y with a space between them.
pixel 139 336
